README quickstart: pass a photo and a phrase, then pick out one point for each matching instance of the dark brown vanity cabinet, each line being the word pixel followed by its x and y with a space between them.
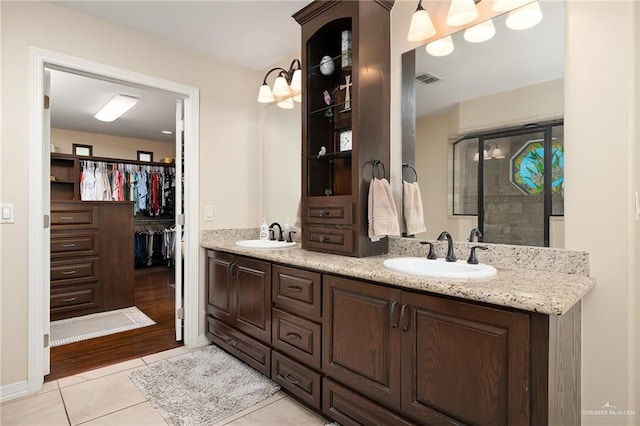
pixel 239 307
pixel 435 360
pixel 345 120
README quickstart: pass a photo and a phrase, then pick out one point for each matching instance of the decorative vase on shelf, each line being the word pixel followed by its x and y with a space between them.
pixel 326 65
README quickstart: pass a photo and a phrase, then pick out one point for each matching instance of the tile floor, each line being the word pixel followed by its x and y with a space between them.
pixel 106 396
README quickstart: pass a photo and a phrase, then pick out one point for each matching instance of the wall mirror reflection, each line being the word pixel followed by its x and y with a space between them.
pixel 488 116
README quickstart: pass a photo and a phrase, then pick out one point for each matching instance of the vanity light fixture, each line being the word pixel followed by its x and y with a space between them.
pixel 488 153
pixel 441 47
pixel 524 17
pixel 421 27
pixel 480 32
pixel 286 88
pixel 462 12
pixel 117 106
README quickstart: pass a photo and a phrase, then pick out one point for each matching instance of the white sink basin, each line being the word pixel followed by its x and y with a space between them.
pixel 264 244
pixel 439 268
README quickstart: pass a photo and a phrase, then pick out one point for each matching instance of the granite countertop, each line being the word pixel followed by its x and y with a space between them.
pixel 547 292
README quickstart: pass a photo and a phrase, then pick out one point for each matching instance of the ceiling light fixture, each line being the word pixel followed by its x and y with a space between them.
pixel 462 12
pixel 421 27
pixel 441 47
pixel 525 17
pixel 286 88
pixel 167 132
pixel 117 106
pixel 489 153
pixel 480 32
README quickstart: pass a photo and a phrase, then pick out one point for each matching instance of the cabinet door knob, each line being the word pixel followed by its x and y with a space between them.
pixel 291 379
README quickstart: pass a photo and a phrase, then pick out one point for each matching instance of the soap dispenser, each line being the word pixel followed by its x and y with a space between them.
pixel 264 230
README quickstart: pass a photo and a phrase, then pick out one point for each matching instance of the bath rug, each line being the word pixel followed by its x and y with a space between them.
pixel 85 327
pixel 202 387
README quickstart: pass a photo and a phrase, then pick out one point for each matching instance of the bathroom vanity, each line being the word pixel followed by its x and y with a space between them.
pixel 366 345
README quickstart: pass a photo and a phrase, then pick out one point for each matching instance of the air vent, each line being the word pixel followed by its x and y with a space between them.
pixel 428 78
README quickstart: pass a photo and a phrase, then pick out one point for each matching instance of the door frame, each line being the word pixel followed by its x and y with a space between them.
pixel 39 197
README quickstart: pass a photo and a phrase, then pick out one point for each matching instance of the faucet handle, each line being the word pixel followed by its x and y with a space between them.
pixel 432 253
pixel 289 238
pixel 473 259
pixel 272 234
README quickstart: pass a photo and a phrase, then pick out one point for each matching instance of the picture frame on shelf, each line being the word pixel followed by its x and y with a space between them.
pixel 146 156
pixel 344 140
pixel 82 150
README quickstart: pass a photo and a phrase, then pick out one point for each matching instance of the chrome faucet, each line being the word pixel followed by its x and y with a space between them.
pixel 451 257
pixel 272 231
pixel 475 232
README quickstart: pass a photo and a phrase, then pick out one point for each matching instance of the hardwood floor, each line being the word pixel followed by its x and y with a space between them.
pixel 154 295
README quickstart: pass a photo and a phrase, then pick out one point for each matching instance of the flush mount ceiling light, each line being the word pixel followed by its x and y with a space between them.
pixel 421 27
pixel 167 132
pixel 480 32
pixel 524 17
pixel 462 12
pixel 286 88
pixel 441 47
pixel 117 106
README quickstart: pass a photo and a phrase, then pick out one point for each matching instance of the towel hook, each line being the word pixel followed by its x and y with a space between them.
pixel 375 163
pixel 409 166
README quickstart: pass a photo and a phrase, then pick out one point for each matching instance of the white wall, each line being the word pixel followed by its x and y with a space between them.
pixel 228 135
pixel 601 170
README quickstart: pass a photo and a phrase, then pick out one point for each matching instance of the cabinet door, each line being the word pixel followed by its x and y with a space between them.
pixel 219 285
pixel 361 345
pixel 253 298
pixel 464 363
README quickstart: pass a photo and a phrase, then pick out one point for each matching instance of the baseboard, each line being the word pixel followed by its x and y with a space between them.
pixel 14 390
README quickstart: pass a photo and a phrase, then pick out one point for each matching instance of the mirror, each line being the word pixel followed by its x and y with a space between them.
pixel 513 79
pixel 282 133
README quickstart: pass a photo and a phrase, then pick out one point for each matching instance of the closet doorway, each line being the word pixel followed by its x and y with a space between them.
pixel 154 282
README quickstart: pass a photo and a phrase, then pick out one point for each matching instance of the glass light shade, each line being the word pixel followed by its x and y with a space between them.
pixel 525 17
pixel 421 27
pixel 286 103
pixel 497 154
pixel 281 88
pixel 298 97
pixel 476 157
pixel 441 47
pixel 461 12
pixel 296 81
pixel 117 106
pixel 481 32
pixel 264 95
pixel 486 155
pixel 506 5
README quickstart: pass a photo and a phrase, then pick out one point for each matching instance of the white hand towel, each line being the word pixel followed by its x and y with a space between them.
pixel 412 208
pixel 382 212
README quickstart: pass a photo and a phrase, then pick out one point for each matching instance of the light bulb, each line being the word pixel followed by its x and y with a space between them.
pixel 264 95
pixel 421 27
pixel 481 32
pixel 461 12
pixel 441 47
pixel 526 17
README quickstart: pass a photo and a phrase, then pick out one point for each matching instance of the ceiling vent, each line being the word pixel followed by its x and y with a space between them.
pixel 428 78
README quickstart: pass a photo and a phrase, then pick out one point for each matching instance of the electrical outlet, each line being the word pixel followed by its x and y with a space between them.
pixel 208 213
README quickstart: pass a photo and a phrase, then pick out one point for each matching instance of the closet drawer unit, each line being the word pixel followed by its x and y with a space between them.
pixel 297 290
pixel 65 245
pixel 336 214
pixel 330 240
pixel 74 271
pixel 75 215
pixel 297 379
pixel 240 345
pixel 73 298
pixel 297 337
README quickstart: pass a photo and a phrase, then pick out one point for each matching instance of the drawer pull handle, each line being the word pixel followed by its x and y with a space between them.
pixel 323 213
pixel 71 299
pixel 405 326
pixel 322 239
pixel 69 245
pixel 230 341
pixel 295 288
pixel 394 321
pixel 292 379
pixel 67 217
pixel 294 336
pixel 68 272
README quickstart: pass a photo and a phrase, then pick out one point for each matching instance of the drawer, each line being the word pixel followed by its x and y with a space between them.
pixel 297 290
pixel 338 240
pixel 240 345
pixel 297 379
pixel 73 215
pixel 336 214
pixel 64 245
pixel 349 408
pixel 69 299
pixel 297 337
pixel 74 271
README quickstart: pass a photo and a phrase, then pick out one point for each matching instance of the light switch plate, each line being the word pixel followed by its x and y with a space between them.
pixel 208 213
pixel 6 213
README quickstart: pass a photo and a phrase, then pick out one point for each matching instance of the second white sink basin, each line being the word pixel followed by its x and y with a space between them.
pixel 439 268
pixel 264 244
